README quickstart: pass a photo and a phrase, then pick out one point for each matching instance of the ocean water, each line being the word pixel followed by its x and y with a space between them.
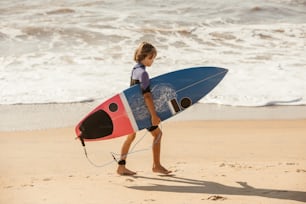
pixel 62 51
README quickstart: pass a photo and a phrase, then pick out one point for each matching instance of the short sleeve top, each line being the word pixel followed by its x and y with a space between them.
pixel 140 76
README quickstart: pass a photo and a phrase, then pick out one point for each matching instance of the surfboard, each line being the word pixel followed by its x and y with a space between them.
pixel 126 112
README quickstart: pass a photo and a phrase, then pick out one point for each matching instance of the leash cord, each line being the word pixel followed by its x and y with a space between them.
pixel 115 156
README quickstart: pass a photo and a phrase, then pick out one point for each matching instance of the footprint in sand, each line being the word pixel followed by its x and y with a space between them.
pixel 216 197
pixel 149 200
pixel 27 185
pixel 291 163
pixel 129 180
pixel 47 179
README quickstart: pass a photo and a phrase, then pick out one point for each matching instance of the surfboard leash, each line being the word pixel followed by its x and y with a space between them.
pixel 140 150
pixel 113 154
pixel 87 157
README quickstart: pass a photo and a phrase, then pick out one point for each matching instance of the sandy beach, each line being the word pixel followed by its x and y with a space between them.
pixel 244 143
pixel 213 161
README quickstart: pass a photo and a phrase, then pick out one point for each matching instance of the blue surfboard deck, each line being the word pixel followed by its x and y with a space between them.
pixel 173 92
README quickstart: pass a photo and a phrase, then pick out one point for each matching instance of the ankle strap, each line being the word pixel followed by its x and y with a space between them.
pixel 122 162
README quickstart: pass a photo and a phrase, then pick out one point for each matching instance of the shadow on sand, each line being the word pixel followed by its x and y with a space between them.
pixel 208 187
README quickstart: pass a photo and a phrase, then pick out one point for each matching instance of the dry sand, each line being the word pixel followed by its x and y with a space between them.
pixel 240 161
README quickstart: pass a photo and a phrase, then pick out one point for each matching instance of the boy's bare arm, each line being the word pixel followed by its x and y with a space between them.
pixel 150 104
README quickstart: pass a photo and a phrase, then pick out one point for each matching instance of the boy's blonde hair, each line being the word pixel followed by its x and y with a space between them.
pixel 144 49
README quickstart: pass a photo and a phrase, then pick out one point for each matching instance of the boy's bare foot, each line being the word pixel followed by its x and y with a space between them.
pixel 123 171
pixel 161 169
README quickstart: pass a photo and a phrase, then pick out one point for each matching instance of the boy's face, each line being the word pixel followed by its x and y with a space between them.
pixel 148 61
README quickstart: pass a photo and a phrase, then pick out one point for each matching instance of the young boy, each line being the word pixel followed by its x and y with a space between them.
pixel 144 57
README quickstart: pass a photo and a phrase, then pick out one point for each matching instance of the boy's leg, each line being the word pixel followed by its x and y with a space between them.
pixel 122 170
pixel 157 167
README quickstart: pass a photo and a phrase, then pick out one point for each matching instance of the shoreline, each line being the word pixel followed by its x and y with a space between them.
pixel 44 116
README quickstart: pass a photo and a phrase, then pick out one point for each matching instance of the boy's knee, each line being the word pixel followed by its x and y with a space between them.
pixel 157 133
pixel 131 138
